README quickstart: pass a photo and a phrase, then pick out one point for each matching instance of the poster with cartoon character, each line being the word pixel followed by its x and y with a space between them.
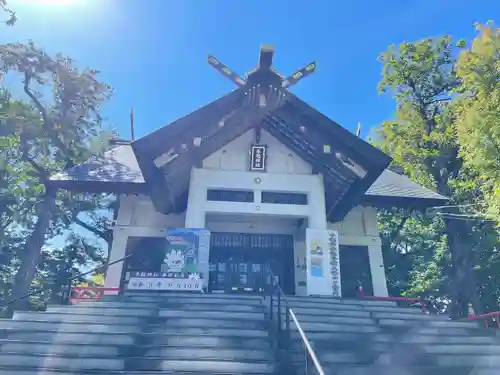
pixel 186 258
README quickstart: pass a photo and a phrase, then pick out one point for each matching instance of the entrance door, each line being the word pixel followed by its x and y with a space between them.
pixel 239 262
pixel 355 270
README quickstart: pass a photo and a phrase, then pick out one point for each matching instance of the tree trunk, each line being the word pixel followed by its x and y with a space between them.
pixel 464 288
pixel 31 254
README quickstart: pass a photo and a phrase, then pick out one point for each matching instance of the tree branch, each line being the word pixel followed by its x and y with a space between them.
pixel 395 233
pixel 44 176
pixel 47 124
pixel 92 229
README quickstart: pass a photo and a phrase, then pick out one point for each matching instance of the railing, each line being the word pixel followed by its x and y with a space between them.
pixel 280 318
pixel 88 293
pixel 490 320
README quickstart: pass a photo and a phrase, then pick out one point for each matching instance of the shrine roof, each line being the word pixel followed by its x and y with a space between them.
pixel 118 171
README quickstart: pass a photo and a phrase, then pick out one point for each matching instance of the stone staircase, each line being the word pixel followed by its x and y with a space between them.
pixel 210 334
pixel 376 337
pixel 140 334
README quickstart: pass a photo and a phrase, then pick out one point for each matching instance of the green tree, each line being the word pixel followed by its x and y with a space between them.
pixel 422 139
pixel 58 265
pixel 478 108
pixel 48 134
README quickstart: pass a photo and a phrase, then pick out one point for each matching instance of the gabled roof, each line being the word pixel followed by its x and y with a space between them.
pixel 118 171
pixel 349 165
pixel 393 189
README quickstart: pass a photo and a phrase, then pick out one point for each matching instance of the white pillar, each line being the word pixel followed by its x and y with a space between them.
pixel 195 212
pixel 377 270
pixel 118 248
pixel 317 205
pixel 195 218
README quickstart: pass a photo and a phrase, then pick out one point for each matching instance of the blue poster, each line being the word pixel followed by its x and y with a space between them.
pixel 182 257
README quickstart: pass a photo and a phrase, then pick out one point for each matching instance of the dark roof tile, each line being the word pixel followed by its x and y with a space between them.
pixel 120 165
pixel 116 165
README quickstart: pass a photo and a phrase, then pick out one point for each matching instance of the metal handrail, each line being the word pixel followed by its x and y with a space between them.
pixel 307 344
pixel 303 336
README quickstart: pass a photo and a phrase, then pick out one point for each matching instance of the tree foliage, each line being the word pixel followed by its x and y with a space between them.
pixel 478 112
pixel 55 126
pixel 11 18
pixel 446 254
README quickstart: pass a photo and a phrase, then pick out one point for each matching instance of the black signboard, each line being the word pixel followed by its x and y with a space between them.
pixel 258 156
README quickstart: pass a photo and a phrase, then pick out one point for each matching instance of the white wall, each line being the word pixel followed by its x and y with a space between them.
pixel 204 179
pixel 137 217
pixel 360 228
pixel 235 156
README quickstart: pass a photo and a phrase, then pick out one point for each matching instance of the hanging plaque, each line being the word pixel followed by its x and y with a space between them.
pixel 258 158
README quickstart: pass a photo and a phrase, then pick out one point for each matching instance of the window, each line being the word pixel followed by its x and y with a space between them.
pixel 223 195
pixel 284 198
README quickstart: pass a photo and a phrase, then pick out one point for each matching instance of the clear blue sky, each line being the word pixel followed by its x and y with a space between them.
pixel 153 52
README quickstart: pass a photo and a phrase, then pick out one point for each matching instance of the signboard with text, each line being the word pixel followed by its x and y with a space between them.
pixel 258 156
pixel 163 281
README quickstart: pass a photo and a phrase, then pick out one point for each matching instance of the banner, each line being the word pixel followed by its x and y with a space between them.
pixel 323 272
pixel 163 281
pixel 183 266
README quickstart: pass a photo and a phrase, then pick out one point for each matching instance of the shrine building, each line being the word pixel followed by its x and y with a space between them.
pixel 255 179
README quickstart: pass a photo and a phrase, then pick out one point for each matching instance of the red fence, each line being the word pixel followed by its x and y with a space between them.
pixel 491 319
pixel 89 293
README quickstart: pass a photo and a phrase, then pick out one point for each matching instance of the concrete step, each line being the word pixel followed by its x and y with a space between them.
pixel 402 370
pixel 411 317
pixel 23 325
pixel 92 317
pixel 347 308
pixel 388 347
pixel 398 357
pixel 216 354
pixel 436 337
pixel 205 341
pixel 33 363
pixel 46 371
pixel 242 332
pixel 423 327
pixel 213 306
pixel 339 301
pixel 195 366
pixel 213 298
pixel 33 347
pixel 430 323
pixel 243 315
pixel 60 362
pixel 451 360
pixel 219 322
pixel 217 299
pixel 461 349
pixel 173 295
pixel 309 327
pixel 103 309
pixel 334 319
pixel 171 352
pixel 311 311
pixel 57 337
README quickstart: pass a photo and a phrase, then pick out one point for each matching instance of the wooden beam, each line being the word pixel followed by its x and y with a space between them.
pixel 307 156
pixel 317 139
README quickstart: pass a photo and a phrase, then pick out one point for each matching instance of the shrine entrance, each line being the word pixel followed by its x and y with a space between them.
pixel 239 261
